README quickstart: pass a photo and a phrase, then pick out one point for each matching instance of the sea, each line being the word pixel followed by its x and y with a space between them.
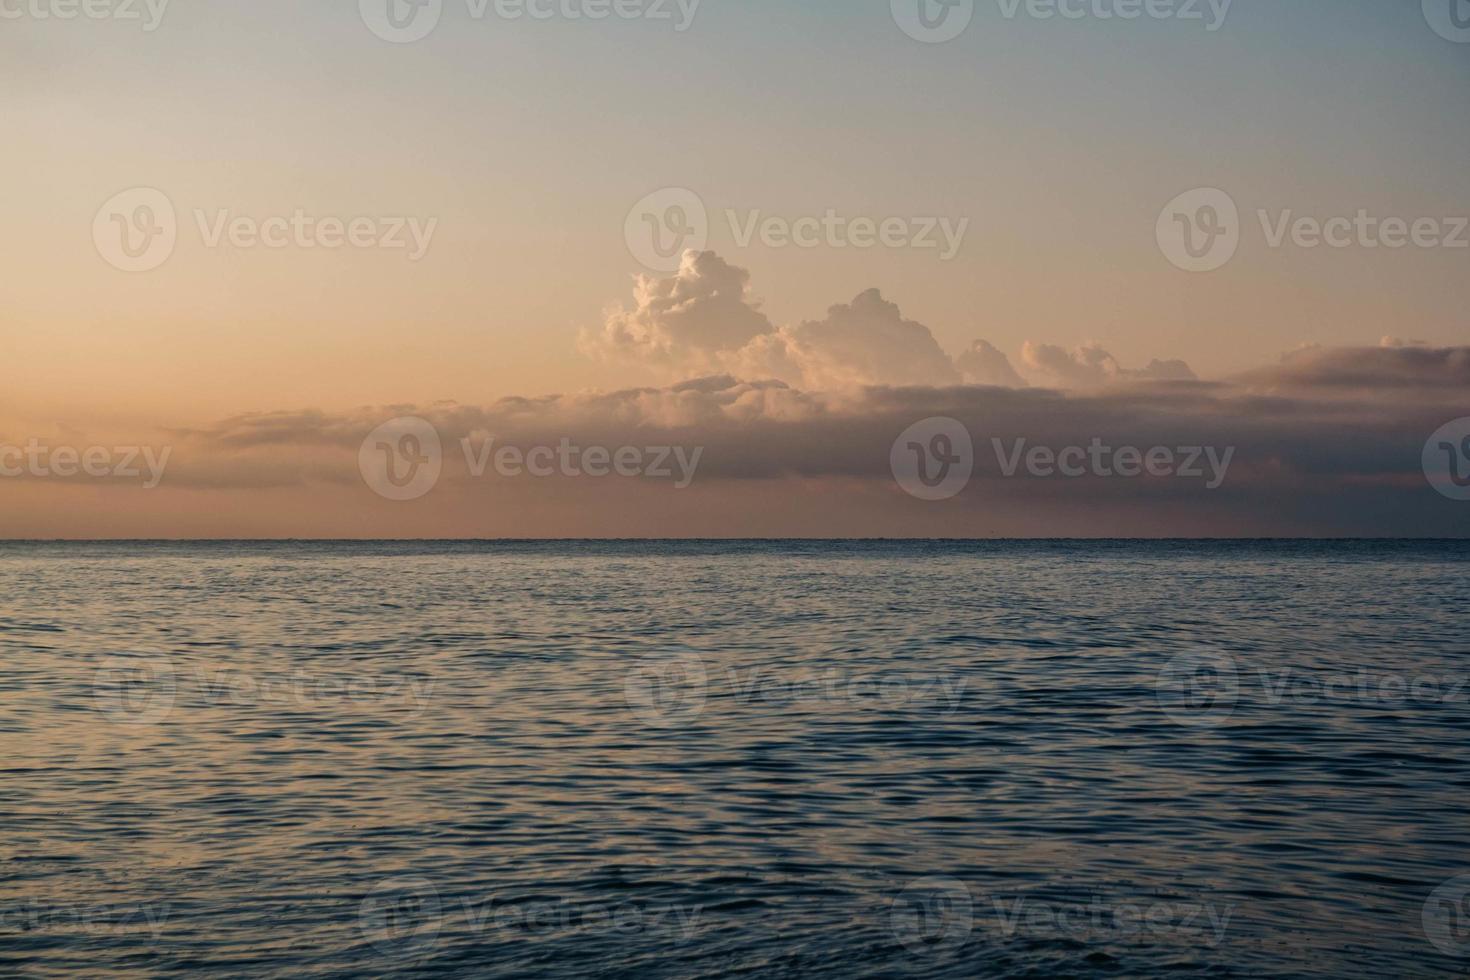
pixel 735 759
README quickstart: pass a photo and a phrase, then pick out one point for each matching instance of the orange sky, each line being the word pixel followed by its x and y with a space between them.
pixel 523 146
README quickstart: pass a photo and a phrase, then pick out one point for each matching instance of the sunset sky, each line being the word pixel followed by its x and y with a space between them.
pixel 527 142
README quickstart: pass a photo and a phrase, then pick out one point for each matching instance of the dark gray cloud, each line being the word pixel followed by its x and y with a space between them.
pixel 1325 443
pixel 1385 370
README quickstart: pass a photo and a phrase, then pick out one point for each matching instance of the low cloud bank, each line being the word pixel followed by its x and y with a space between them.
pixel 796 429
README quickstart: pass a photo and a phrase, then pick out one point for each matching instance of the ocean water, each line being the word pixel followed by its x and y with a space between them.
pixel 735 759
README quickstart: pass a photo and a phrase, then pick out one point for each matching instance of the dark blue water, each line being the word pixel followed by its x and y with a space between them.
pixel 715 759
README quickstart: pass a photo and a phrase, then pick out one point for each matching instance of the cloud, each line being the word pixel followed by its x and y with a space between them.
pixel 865 342
pixel 705 320
pixel 1091 366
pixel 983 364
pixel 691 320
pixel 1384 371
pixel 1310 457
pixel 777 461
pixel 795 426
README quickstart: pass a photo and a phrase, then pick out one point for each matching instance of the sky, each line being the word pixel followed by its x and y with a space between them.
pixel 1048 149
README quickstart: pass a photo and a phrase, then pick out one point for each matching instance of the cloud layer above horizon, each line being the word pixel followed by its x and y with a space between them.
pixel 794 427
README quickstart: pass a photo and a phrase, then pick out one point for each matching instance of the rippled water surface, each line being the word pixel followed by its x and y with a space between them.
pixel 702 760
